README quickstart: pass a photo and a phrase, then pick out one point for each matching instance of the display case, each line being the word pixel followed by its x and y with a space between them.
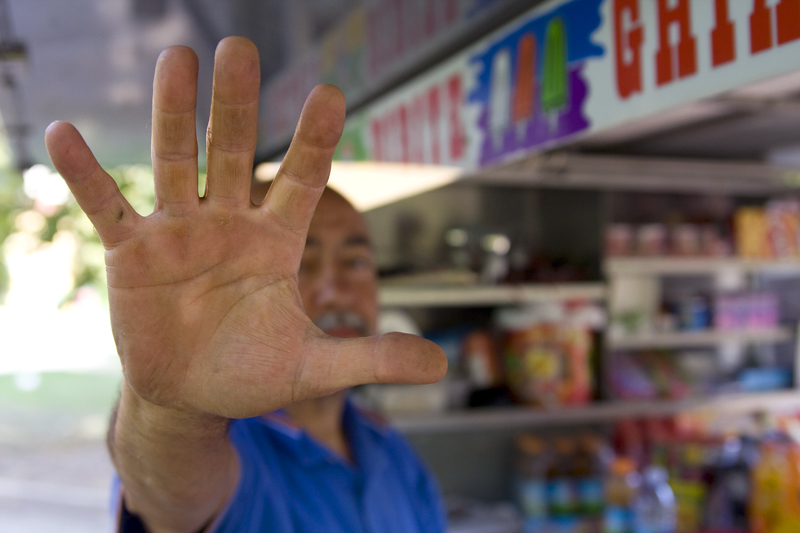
pixel 470 449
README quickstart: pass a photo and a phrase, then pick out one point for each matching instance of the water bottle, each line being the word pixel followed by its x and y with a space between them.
pixel 654 509
pixel 532 462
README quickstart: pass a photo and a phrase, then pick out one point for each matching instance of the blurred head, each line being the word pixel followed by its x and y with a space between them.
pixel 337 278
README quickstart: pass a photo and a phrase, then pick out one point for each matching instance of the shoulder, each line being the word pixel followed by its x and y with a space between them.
pixel 387 441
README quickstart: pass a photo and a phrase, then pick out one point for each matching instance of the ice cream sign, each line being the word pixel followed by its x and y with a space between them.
pixel 567 69
pixel 529 83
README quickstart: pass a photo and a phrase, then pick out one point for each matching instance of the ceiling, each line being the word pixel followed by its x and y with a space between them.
pixel 91 62
pixel 758 122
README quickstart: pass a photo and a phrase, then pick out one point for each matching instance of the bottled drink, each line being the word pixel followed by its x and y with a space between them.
pixel 689 486
pixel 531 484
pixel 620 490
pixel 590 466
pixel 561 487
pixel 726 507
pixel 774 506
pixel 654 509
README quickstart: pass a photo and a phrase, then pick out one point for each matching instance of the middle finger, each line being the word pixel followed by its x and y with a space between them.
pixel 231 137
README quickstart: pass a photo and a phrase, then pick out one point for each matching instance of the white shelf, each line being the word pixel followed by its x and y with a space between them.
pixel 518 418
pixel 665 266
pixel 488 295
pixel 681 339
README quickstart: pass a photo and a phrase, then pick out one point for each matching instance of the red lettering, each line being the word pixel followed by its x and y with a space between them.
pixel 760 27
pixel 723 43
pixel 385 130
pixel 392 136
pixel 525 89
pixel 416 130
pixel 433 121
pixel 687 45
pixel 787 14
pixel 628 40
pixel 457 136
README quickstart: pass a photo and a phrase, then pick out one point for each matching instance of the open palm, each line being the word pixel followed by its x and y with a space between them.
pixel 205 307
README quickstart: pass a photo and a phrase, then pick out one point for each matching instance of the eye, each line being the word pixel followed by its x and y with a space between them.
pixel 358 263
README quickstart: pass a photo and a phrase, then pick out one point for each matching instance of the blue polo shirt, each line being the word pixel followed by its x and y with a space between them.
pixel 291 483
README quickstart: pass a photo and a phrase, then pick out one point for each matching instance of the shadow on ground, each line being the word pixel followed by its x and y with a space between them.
pixel 54 470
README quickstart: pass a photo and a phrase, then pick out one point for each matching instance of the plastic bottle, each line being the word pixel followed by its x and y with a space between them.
pixel 654 509
pixel 774 506
pixel 562 494
pixel 590 466
pixel 621 487
pixel 726 507
pixel 531 481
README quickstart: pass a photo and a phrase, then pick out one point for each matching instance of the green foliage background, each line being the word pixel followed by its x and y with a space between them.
pixel 135 182
pixel 12 198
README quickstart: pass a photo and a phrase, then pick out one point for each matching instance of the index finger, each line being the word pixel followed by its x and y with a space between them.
pixel 304 172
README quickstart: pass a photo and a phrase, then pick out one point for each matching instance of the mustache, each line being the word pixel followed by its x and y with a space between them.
pixel 335 319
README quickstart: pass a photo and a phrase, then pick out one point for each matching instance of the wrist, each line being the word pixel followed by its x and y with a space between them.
pixel 177 466
pixel 170 421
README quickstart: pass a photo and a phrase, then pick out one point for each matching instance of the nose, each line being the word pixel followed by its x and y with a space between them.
pixel 330 287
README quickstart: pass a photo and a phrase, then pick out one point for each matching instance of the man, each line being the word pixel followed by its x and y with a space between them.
pixel 207 299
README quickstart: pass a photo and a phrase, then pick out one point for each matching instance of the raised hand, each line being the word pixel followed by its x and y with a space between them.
pixel 205 308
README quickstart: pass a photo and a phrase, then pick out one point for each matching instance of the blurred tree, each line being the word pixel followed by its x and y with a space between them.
pixel 12 201
pixel 135 182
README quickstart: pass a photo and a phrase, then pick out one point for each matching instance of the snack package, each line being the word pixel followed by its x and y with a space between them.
pixel 685 240
pixel 751 231
pixel 783 221
pixel 651 240
pixel 547 353
pixel 619 240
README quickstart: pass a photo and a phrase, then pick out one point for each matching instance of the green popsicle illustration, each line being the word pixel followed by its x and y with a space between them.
pixel 554 68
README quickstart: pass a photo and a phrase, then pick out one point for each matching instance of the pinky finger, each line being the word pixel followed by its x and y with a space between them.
pixel 95 191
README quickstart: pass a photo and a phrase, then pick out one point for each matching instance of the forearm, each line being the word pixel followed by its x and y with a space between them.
pixel 177 469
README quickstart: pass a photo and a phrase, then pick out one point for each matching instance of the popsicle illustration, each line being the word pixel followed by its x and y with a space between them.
pixel 525 89
pixel 500 97
pixel 555 84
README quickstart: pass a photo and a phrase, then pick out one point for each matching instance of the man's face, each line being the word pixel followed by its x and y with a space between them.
pixel 337 278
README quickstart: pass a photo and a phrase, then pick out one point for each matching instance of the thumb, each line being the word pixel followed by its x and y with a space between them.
pixel 389 358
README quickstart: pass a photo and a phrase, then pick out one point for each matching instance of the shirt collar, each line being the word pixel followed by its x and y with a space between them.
pixel 365 431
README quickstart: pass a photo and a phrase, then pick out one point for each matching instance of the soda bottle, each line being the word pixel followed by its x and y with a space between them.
pixel 562 494
pixel 774 498
pixel 654 509
pixel 726 507
pixel 531 481
pixel 591 465
pixel 620 489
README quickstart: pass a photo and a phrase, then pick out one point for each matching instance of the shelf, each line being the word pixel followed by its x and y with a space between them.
pixel 517 418
pixel 665 266
pixel 488 295
pixel 682 339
